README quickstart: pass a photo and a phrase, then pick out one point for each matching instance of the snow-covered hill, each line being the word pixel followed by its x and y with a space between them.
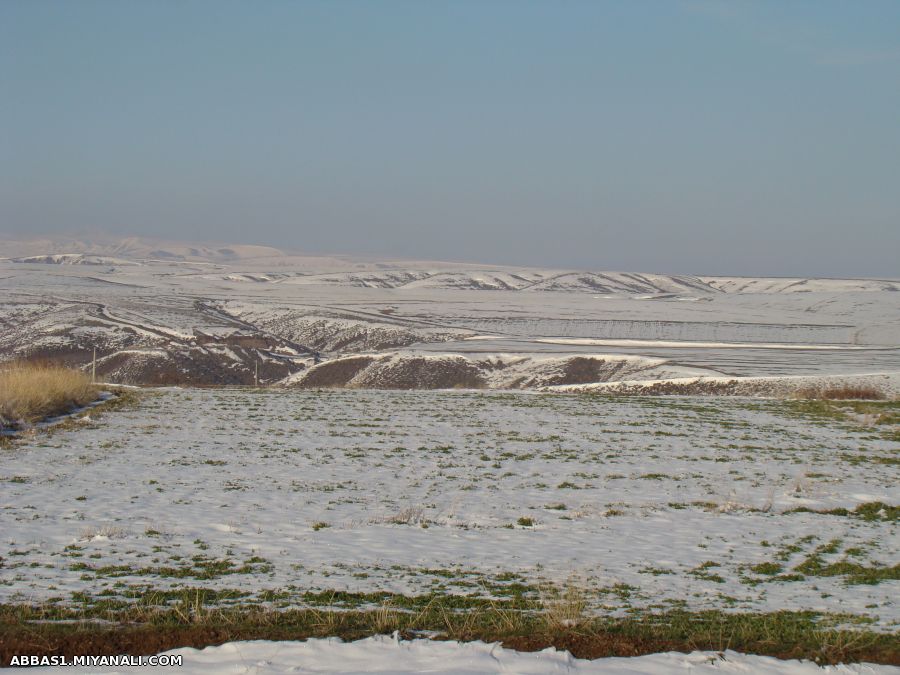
pixel 166 312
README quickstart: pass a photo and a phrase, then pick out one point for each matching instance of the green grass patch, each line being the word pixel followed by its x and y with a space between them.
pixel 868 511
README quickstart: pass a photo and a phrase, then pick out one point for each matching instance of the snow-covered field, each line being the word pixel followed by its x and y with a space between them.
pixel 272 495
pixel 387 655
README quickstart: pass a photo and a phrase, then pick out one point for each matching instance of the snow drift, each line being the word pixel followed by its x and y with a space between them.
pixel 386 655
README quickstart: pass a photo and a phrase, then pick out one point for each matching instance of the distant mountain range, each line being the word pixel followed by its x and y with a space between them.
pixel 265 264
pixel 133 248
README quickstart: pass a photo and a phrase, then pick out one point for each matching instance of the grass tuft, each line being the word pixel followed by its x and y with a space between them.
pixel 30 392
pixel 563 608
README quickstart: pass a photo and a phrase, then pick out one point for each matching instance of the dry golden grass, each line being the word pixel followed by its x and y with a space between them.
pixel 30 392
pixel 563 608
pixel 842 393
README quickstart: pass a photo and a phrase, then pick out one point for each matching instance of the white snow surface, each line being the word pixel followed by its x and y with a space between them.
pixel 645 503
pixel 388 655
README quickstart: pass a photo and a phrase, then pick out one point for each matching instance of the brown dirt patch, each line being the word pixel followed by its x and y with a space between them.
pixel 424 373
pixel 91 639
pixel 337 373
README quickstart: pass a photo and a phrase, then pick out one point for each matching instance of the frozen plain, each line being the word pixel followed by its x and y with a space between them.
pixel 648 503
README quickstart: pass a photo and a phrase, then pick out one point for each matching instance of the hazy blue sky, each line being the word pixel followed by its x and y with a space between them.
pixel 707 137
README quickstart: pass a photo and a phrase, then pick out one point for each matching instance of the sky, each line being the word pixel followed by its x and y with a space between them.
pixel 752 138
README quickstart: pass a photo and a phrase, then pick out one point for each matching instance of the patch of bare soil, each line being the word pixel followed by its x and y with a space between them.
pixel 828 388
pixel 690 388
pixel 366 372
pixel 422 373
pixel 145 639
pixel 584 370
pixel 191 368
pixel 337 373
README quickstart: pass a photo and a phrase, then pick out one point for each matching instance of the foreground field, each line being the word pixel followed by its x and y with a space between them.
pixel 761 525
pixel 286 496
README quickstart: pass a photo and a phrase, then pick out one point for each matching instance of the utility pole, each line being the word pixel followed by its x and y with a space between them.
pixel 94 368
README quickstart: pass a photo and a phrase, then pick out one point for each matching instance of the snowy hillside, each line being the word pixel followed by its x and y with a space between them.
pixel 168 312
